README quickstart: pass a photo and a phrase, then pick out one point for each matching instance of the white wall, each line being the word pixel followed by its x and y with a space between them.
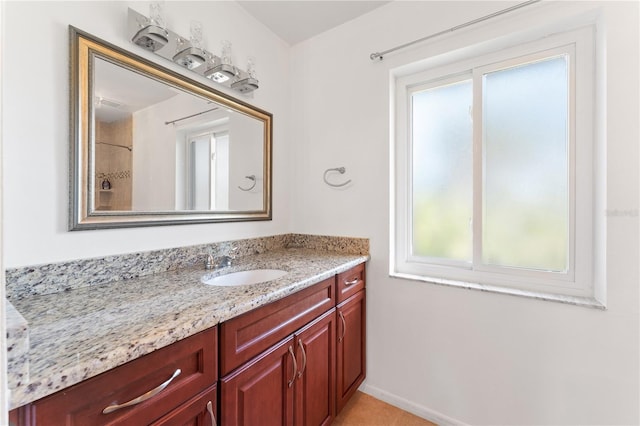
pixel 4 397
pixel 154 153
pixel 448 353
pixel 36 131
pixel 245 159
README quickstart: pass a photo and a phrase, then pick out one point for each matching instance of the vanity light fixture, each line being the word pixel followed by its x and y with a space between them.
pixel 151 38
pixel 220 72
pixel 152 35
pixel 190 53
pixel 245 85
pixel 249 83
pixel 222 69
pixel 190 57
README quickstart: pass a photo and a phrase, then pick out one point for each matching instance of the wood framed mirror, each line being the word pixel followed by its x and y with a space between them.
pixel 151 146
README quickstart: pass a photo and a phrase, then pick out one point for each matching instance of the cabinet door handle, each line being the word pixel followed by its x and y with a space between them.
pixel 304 359
pixel 352 282
pixel 295 367
pixel 344 327
pixel 143 397
pixel 210 410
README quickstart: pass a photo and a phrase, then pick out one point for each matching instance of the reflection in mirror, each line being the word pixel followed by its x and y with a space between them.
pixel 160 148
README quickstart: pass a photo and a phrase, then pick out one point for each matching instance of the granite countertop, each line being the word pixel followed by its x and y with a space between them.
pixel 77 334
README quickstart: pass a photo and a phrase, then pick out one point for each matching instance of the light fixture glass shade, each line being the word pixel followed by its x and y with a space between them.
pixel 196 34
pixel 251 67
pixel 156 13
pixel 226 52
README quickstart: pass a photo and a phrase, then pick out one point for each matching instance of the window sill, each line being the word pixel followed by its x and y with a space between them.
pixel 586 302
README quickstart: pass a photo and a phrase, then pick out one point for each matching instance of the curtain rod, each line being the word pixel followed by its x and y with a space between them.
pixel 380 55
pixel 115 144
pixel 189 116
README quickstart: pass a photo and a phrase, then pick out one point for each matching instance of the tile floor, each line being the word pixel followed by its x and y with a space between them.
pixel 365 410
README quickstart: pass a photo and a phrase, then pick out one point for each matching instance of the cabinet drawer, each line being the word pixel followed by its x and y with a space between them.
pixel 247 335
pixel 350 282
pixel 83 404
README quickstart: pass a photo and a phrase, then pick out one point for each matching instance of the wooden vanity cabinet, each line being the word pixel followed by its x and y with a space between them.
pixel 290 381
pixel 295 361
pixel 196 359
pixel 351 347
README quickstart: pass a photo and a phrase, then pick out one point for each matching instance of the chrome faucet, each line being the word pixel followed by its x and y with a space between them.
pixel 223 261
pixel 208 263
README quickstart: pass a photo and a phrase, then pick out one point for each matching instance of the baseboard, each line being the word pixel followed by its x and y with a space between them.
pixel 413 408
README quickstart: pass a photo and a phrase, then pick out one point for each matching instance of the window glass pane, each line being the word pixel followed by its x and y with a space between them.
pixel 442 172
pixel 525 142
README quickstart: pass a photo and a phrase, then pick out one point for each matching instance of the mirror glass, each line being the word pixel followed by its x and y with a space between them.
pixel 154 147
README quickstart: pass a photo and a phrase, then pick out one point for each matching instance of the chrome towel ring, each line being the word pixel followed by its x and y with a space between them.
pixel 340 170
pixel 252 178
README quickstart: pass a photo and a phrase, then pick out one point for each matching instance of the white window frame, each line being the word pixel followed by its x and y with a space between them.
pixel 577 284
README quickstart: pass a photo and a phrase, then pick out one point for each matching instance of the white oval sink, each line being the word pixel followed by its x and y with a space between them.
pixel 253 276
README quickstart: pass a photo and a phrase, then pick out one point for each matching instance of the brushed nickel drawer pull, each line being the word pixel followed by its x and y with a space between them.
pixel 295 367
pixel 352 282
pixel 210 410
pixel 143 397
pixel 304 359
pixel 344 327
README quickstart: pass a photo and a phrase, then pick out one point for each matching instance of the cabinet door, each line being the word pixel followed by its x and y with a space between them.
pixel 198 411
pixel 261 391
pixel 315 380
pixel 351 347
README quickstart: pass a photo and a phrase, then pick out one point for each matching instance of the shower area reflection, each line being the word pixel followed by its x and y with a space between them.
pixel 114 141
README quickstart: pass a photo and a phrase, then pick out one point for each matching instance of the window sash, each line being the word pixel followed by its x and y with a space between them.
pixel 443 82
pixel 575 281
pixel 478 74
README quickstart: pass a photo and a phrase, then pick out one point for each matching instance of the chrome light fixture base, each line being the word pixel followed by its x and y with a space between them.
pixel 151 38
pixel 190 58
pixel 246 85
pixel 154 37
pixel 220 73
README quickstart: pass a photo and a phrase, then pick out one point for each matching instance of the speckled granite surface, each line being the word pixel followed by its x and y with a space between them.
pixel 17 346
pixel 88 329
pixel 57 277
